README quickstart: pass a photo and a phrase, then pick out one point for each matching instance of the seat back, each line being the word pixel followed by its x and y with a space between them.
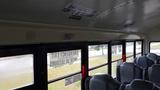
pixel 153 57
pixel 103 82
pixel 158 59
pixel 128 72
pixel 143 62
pixel 140 85
pixel 122 86
pixel 153 73
pixel 87 80
pixel 156 87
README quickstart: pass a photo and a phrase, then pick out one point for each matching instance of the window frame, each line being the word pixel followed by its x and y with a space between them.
pixel 68 75
pixel 150 44
pixel 134 46
pixel 57 47
pixel 40 54
pixel 98 66
pixel 115 43
pixel 14 50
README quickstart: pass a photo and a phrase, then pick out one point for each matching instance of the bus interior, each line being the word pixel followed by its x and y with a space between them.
pixel 79 45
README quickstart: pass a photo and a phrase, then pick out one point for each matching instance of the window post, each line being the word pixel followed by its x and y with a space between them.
pixel 84 65
pixel 40 69
pixel 124 51
pixel 109 58
pixel 134 50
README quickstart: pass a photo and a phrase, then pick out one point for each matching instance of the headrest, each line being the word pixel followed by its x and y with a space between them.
pixel 99 82
pixel 143 62
pixel 152 56
pixel 140 85
pixel 103 82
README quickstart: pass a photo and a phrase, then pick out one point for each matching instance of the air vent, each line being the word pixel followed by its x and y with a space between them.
pixel 77 10
pixel 75 17
pixel 129 23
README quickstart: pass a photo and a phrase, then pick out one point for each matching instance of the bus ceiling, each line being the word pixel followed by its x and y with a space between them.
pixel 113 16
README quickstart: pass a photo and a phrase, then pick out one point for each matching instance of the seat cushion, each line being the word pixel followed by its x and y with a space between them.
pixel 153 73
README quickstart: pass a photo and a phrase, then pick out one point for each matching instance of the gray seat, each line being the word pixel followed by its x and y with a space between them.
pixel 153 73
pixel 129 72
pixel 156 87
pixel 103 82
pixel 158 58
pixel 122 86
pixel 143 62
pixel 153 57
pixel 87 80
pixel 141 85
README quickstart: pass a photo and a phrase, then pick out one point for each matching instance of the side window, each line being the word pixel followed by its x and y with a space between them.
pixel 138 48
pixel 64 64
pixel 16 71
pixel 116 54
pixel 155 47
pixel 129 51
pixel 98 55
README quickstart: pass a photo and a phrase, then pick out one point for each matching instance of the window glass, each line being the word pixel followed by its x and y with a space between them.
pixel 155 47
pixel 129 48
pixel 116 54
pixel 129 51
pixel 63 63
pixel 16 71
pixel 138 48
pixel 98 55
pixel 101 70
pixel 71 83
